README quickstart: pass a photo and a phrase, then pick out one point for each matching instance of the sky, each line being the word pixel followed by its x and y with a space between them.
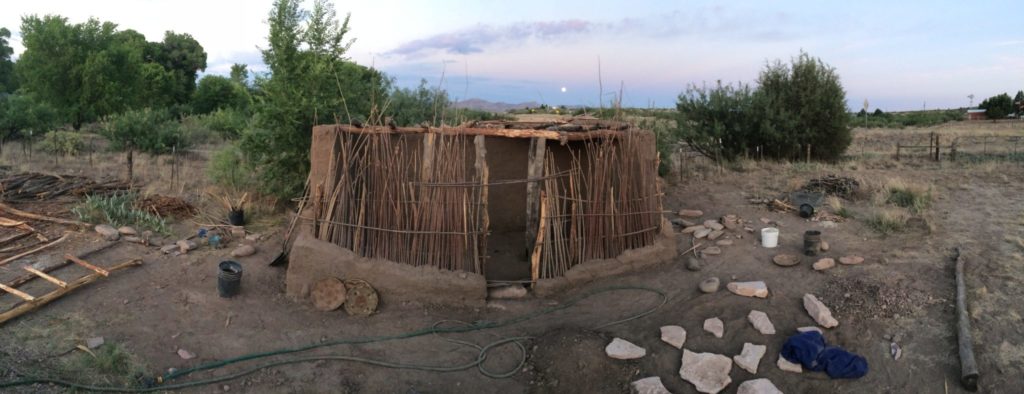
pixel 903 55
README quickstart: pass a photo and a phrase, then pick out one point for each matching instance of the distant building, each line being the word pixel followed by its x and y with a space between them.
pixel 976 114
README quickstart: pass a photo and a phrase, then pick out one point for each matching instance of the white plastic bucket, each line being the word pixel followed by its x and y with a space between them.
pixel 769 237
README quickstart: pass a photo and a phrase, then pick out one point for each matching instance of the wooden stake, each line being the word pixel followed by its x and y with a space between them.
pixel 50 297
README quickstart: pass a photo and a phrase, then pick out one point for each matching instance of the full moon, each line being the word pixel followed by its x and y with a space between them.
pixel 563 89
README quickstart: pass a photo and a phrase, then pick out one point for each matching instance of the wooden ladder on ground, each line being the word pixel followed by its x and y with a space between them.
pixel 31 302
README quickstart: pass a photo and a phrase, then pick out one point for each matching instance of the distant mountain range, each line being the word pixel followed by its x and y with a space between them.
pixel 489 106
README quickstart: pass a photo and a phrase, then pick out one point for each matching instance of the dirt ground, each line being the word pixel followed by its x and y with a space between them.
pixel 171 303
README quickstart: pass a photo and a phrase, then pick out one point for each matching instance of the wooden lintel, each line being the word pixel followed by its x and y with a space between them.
pixel 470 131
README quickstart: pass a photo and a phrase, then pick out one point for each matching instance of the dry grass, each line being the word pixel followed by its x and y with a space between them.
pixel 913 196
pixel 887 221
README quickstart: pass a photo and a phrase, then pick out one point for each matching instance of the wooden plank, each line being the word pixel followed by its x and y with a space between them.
pixel 23 295
pixel 538 244
pixel 43 275
pixel 20 255
pixel 50 297
pixel 86 264
pixel 534 170
pixel 428 157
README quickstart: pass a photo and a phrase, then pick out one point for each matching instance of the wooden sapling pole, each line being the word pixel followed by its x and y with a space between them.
pixel 30 215
pixel 538 242
pixel 968 366
pixel 20 255
pixel 534 170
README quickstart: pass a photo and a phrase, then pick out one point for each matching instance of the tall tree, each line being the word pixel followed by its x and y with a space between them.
pixel 240 74
pixel 183 57
pixel 217 92
pixel 997 107
pixel 310 82
pixel 7 82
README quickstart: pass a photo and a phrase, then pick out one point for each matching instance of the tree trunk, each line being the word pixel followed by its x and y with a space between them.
pixel 130 165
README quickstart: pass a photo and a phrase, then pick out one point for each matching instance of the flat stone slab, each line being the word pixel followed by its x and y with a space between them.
pixel 651 385
pixel 709 285
pixel 787 366
pixel 691 213
pixel 810 328
pixel 824 264
pixel 758 386
pixel 819 312
pixel 715 326
pixel 674 335
pixel 621 349
pixel 708 372
pixel 693 229
pixel 761 322
pixel 749 289
pixel 851 260
pixel 786 260
pixel 750 357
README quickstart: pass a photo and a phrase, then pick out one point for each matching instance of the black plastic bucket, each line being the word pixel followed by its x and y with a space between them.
pixel 236 217
pixel 812 242
pixel 229 278
pixel 806 210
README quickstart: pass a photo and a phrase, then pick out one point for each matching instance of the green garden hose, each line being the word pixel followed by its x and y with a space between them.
pixel 433 329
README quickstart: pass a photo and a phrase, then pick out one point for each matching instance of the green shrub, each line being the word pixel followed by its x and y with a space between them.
pixel 64 143
pixel 793 105
pixel 228 168
pixel 228 123
pixel 118 210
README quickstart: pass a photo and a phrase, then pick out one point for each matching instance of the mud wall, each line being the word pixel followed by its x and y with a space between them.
pixel 311 259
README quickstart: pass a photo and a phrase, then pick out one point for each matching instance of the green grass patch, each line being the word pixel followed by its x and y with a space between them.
pixel 118 210
pixel 887 222
pixel 914 199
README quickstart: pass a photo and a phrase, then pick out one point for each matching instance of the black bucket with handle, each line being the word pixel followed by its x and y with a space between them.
pixel 229 278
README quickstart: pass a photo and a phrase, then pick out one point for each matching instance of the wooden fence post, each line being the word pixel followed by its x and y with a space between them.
pixel 897 151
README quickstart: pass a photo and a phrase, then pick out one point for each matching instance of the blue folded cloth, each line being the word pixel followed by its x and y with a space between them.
pixel 809 350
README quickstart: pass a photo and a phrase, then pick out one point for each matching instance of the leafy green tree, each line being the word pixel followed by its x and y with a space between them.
pixel 22 115
pixel 310 82
pixel 145 130
pixel 408 107
pixel 7 81
pixel 802 104
pixel 86 70
pixel 240 74
pixel 1019 98
pixel 183 57
pixel 717 121
pixel 997 107
pixel 216 92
